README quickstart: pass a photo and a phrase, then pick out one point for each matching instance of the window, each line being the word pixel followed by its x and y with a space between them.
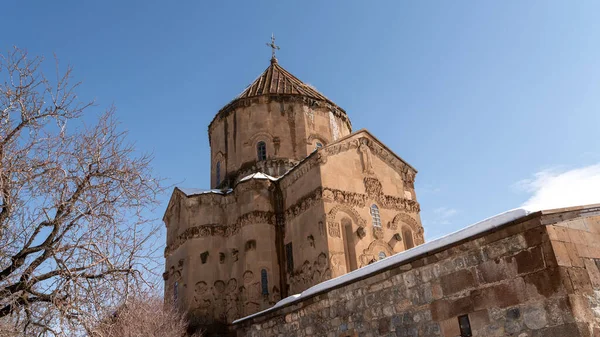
pixel 319 145
pixel 289 254
pixel 175 291
pixel 349 245
pixel 381 255
pixel 408 238
pixel 465 326
pixel 261 151
pixel 264 282
pixel 218 173
pixel 375 216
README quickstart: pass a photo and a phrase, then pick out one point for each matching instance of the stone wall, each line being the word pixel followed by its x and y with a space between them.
pixel 289 128
pixel 537 276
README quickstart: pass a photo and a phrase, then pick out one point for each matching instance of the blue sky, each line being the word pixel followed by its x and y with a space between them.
pixel 495 103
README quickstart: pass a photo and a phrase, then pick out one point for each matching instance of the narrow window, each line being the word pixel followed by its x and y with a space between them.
pixel 408 238
pixel 264 282
pixel 375 216
pixel 465 326
pixel 175 291
pixel 261 151
pixel 218 173
pixel 289 254
pixel 204 257
pixel 319 145
pixel 349 245
pixel 381 255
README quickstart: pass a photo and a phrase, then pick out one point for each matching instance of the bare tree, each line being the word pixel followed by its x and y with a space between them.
pixel 74 204
pixel 148 317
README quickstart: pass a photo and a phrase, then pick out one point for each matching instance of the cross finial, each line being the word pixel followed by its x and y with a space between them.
pixel 273 48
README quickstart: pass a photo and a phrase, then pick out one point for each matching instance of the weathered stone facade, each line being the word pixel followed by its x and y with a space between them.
pixel 331 201
pixel 536 276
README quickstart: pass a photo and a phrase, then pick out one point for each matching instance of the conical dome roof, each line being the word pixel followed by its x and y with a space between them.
pixel 275 80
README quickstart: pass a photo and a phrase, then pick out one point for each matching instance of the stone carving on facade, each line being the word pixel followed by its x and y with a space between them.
pixel 361 232
pixel 303 204
pixel 261 135
pixel 371 254
pixel 365 154
pixel 337 261
pixel 373 187
pixel 356 218
pixel 403 218
pixel 249 293
pixel 310 274
pixel 317 137
pixel 249 218
pixel 334 229
pixel 378 233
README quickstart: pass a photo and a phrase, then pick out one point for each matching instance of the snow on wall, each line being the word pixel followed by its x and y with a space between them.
pixel 397 259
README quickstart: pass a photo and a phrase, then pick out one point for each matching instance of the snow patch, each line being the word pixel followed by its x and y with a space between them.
pixel 258 175
pixel 196 191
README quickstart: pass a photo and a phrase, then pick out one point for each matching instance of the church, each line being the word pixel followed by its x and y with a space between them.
pixel 296 198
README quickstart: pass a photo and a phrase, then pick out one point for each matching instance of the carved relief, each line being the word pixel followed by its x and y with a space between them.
pixel 303 203
pixel 403 218
pixel 378 233
pixel 316 137
pixel 371 254
pixel 361 233
pixel 356 218
pixel 338 262
pixel 310 274
pixel 365 154
pixel 253 217
pixel 259 135
pixel 373 187
pixel 334 229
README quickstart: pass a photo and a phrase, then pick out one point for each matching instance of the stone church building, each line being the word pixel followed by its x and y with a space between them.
pixel 296 198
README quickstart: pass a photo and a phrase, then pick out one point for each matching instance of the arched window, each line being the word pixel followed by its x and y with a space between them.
pixel 261 151
pixel 381 255
pixel 408 238
pixel 375 216
pixel 218 173
pixel 264 282
pixel 319 145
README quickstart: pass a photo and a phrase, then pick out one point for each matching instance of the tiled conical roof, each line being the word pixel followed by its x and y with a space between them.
pixel 275 80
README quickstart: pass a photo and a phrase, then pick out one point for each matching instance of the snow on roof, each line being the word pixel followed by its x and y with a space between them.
pixel 473 230
pixel 195 191
pixel 258 175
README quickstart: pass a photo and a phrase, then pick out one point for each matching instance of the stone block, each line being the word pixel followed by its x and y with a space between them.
pixel 580 280
pixel 534 317
pixel 547 282
pixel 450 327
pixel 500 295
pixel 561 254
pixel 535 236
pixel 479 319
pixel 496 270
pixel 593 224
pixel 457 281
pixel 444 309
pixel 576 260
pixel 593 273
pixel 529 261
